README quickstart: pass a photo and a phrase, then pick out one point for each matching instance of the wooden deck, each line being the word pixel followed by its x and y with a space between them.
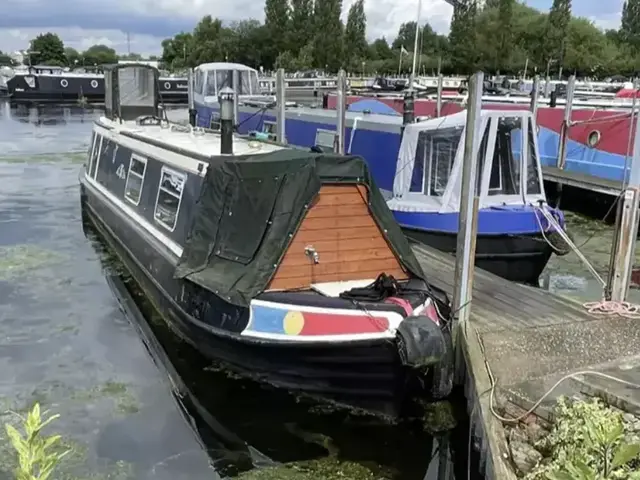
pixel 580 180
pixel 528 339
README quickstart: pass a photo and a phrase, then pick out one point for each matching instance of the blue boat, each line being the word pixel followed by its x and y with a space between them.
pixel 419 172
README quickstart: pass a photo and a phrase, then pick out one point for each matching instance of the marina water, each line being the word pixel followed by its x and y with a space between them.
pixel 67 344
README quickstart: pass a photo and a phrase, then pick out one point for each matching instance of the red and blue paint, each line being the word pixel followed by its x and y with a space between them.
pixel 274 320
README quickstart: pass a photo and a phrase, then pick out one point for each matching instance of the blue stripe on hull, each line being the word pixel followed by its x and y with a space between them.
pixel 491 221
pixel 580 158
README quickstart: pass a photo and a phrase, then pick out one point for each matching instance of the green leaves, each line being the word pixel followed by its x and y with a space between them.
pixel 37 455
pixel 625 453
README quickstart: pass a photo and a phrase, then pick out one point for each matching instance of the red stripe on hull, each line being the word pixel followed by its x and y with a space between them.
pixel 614 132
pixel 331 324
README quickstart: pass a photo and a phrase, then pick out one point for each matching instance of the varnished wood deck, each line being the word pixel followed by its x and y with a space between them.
pixel 528 339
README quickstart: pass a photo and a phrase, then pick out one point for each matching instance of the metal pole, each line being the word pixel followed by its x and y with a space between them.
pixel 190 93
pixel 535 92
pixel 566 123
pixel 226 100
pixel 465 249
pixel 439 98
pixel 628 229
pixel 235 78
pixel 280 107
pixel 341 108
pixel 415 47
pixel 547 86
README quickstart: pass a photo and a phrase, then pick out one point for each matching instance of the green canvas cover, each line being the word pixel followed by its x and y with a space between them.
pixel 250 208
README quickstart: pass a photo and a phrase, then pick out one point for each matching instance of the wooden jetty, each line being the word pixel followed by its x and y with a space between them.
pixel 527 339
pixel 580 180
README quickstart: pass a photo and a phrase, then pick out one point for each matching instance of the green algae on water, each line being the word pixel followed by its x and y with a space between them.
pixel 18 260
pixel 328 468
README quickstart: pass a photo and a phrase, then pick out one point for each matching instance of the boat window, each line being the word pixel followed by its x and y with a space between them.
pixel 210 83
pixel 326 139
pixel 198 81
pixel 268 127
pixel 214 121
pixel 169 197
pixel 224 78
pixel 505 168
pixel 108 152
pixel 95 154
pixel 482 155
pixel 135 178
pixel 533 180
pixel 443 147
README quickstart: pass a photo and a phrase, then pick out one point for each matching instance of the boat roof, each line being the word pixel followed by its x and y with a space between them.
pixel 225 66
pixel 185 140
pixel 459 119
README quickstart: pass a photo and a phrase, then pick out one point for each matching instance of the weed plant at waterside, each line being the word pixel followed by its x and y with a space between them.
pixel 589 441
pixel 37 455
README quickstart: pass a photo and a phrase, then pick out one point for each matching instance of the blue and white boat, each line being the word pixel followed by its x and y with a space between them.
pixel 419 172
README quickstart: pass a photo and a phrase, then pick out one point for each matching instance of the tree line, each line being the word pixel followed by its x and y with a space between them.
pixel 503 36
pixel 48 49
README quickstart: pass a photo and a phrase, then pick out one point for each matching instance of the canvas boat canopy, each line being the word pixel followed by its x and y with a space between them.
pixel 251 207
pixel 429 168
pixel 210 78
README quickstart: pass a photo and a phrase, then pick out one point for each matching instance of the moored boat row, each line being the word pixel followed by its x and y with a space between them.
pixel 285 264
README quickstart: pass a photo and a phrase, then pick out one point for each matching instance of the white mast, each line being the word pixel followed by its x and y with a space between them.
pixel 415 47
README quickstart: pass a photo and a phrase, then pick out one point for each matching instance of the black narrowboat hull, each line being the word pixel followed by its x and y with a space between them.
pixel 74 89
pixel 367 375
pixel 519 258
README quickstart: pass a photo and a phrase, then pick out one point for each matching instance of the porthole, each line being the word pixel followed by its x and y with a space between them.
pixel 64 83
pixel 167 86
pixel 594 138
pixel 94 84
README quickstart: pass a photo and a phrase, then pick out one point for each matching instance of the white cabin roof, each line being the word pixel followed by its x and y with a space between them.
pixel 189 140
pixel 224 66
pixel 460 119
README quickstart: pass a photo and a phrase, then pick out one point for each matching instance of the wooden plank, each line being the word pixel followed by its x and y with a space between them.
pixel 336 244
pixel 334 210
pixel 296 258
pixel 294 283
pixel 338 235
pixel 326 223
pixel 324 268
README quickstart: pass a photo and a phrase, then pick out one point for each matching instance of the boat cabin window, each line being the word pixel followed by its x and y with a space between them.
pixel 505 167
pixel 135 178
pixel 95 155
pixel 214 122
pixel 533 178
pixel 269 127
pixel 435 156
pixel 169 198
pixel 326 139
pixel 198 82
pixel 219 79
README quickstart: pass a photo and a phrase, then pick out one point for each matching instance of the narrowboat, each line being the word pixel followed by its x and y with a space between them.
pixel 511 241
pixel 514 238
pixel 283 264
pixel 53 84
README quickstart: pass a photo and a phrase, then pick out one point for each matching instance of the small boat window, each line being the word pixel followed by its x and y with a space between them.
pixel 533 179
pixel 505 167
pixel 135 178
pixel 326 139
pixel 214 122
pixel 269 127
pixel 95 155
pixel 198 82
pixel 437 152
pixel 169 198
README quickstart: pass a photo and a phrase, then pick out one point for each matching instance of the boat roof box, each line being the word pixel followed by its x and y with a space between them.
pixel 131 91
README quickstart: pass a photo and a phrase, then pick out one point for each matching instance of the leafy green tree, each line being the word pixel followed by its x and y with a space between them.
pixel 630 23
pixel 380 50
pixel 6 60
pixel 100 55
pixel 176 51
pixel 558 30
pixel 301 31
pixel 462 37
pixel 355 36
pixel 46 48
pixel 276 22
pixel 328 41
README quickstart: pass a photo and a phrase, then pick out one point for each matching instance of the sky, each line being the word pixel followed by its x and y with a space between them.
pixel 82 23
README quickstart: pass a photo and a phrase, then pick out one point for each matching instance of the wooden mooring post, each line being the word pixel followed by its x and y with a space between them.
pixel 341 110
pixel 624 247
pixel 281 134
pixel 439 97
pixel 535 94
pixel 190 99
pixel 469 200
pixel 566 123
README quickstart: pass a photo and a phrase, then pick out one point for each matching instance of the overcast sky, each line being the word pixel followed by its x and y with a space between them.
pixel 82 23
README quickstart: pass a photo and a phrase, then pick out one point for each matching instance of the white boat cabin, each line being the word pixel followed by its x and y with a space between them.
pixel 210 78
pixel 429 169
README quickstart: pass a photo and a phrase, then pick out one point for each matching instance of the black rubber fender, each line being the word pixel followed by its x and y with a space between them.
pixel 427 347
pixel 560 246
